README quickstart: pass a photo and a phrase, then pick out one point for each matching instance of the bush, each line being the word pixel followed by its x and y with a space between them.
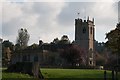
pixel 30 68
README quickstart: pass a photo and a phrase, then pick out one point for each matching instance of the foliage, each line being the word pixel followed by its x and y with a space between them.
pixel 56 40
pixel 17 47
pixel 34 46
pixel 7 43
pixel 40 42
pixel 7 51
pixel 113 42
pixel 72 54
pixel 100 47
pixel 23 38
pixel 64 40
pixel 100 60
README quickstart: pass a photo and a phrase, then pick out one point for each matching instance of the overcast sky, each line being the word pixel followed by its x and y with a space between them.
pixel 48 20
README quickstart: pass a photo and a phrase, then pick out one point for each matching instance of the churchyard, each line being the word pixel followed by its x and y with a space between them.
pixel 48 57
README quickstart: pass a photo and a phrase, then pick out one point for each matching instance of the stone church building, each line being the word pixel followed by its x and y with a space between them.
pixel 84 37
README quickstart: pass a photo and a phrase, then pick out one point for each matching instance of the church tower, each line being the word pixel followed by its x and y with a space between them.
pixel 84 37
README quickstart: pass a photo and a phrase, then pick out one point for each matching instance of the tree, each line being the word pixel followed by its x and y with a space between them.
pixel 100 47
pixel 9 44
pixel 23 38
pixel 7 51
pixel 56 40
pixel 40 42
pixel 64 40
pixel 113 42
pixel 73 55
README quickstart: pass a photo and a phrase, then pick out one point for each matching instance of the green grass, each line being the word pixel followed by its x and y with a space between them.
pixel 74 73
pixel 15 75
pixel 62 74
pixel 7 75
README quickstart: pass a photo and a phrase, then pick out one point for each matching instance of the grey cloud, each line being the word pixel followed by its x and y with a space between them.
pixel 42 8
pixel 119 11
pixel 42 27
pixel 105 15
pixel 48 21
pixel 11 27
pixel 69 13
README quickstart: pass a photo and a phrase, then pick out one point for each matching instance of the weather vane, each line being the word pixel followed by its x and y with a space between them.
pixel 78 14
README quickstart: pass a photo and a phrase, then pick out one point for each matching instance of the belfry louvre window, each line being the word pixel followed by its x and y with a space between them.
pixel 84 30
pixel 90 30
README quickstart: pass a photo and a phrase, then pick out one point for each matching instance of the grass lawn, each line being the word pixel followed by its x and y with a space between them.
pixel 64 74
pixel 14 76
pixel 73 73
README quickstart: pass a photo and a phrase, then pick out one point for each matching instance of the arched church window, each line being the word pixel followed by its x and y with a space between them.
pixel 84 30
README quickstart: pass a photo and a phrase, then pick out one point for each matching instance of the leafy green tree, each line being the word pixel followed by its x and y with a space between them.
pixel 64 40
pixel 113 42
pixel 23 38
